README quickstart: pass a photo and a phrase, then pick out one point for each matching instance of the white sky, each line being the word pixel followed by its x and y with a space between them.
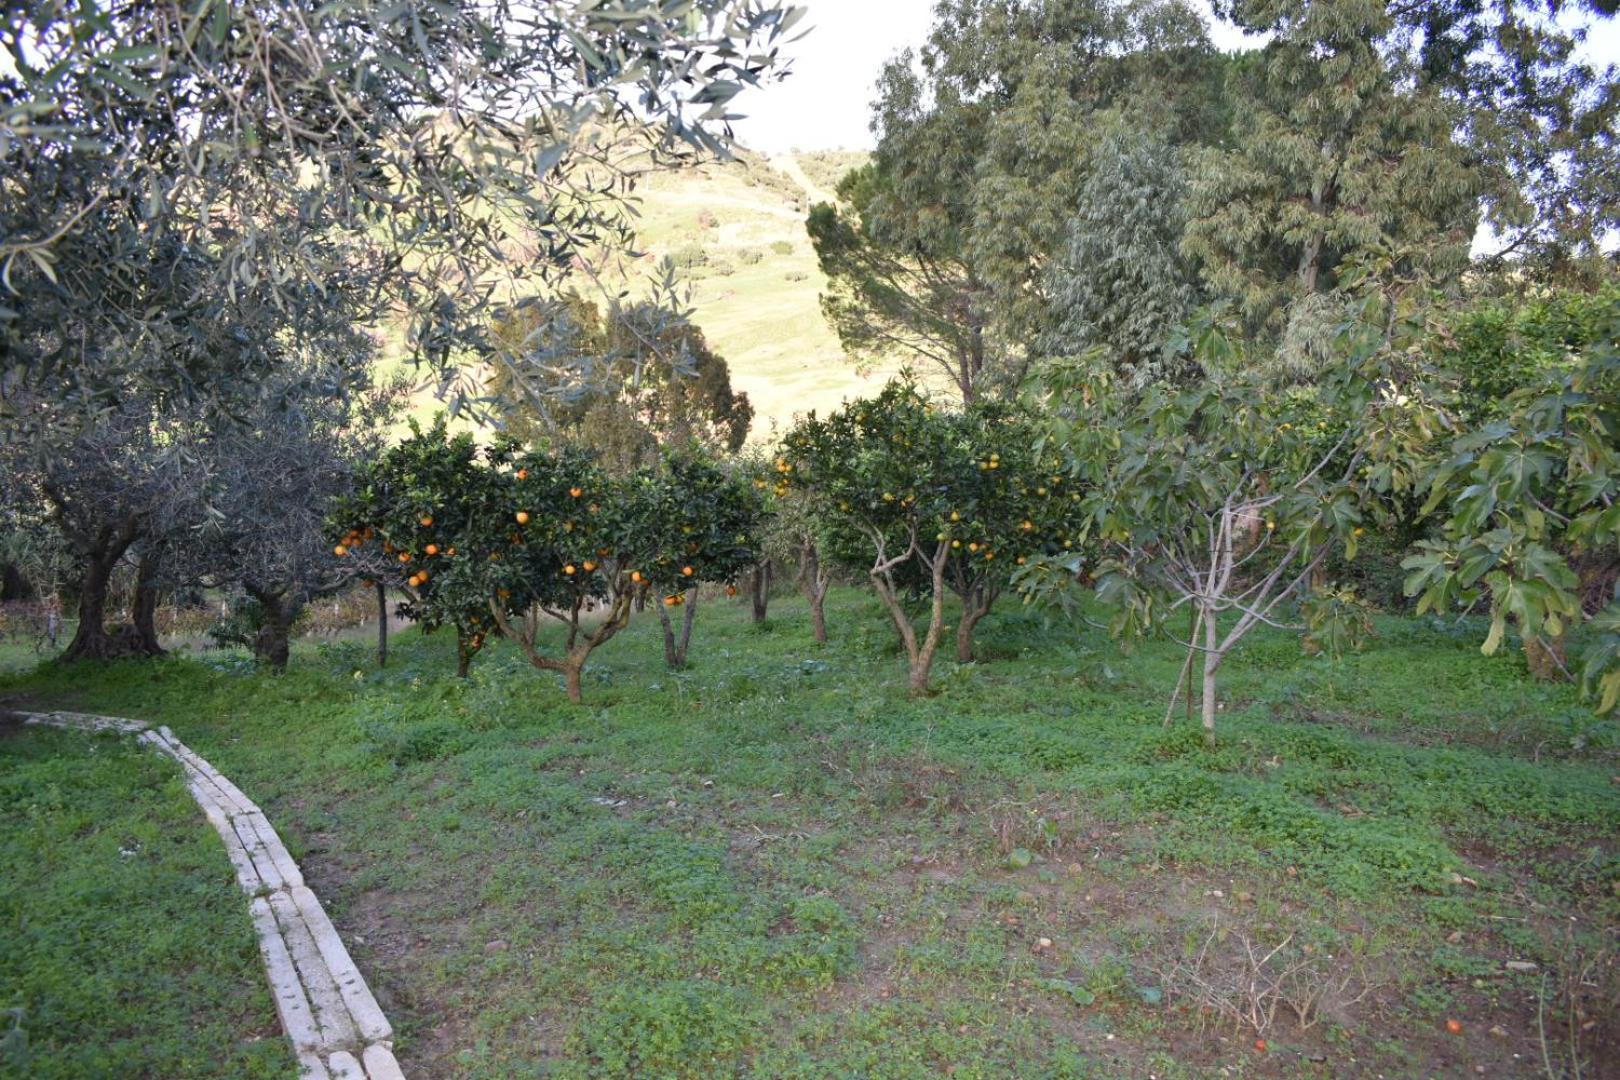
pixel 826 103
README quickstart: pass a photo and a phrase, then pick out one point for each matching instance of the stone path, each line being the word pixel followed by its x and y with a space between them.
pixel 337 1029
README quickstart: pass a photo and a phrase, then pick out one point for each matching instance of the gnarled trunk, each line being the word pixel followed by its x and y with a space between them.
pixel 273 643
pixel 99 557
pixel 91 640
pixel 144 613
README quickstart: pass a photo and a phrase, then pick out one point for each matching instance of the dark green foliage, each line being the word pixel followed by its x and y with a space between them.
pixel 1122 283
pixel 1496 347
pixel 655 382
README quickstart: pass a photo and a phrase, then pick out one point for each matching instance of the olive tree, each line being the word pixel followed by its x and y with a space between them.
pixel 336 162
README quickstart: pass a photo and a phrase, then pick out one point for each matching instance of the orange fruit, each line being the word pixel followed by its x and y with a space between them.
pixel 1260 1045
pixel 340 551
pixel 576 492
pixel 569 569
pixel 1454 1026
pixel 523 474
pixel 422 577
pixel 669 601
pixel 452 551
pixel 731 590
pixel 404 556
pixel 687 570
pixel 589 566
pixel 635 575
pixel 431 549
pixel 522 517
pixel 426 521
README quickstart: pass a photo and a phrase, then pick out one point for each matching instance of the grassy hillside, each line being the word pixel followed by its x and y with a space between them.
pixel 737 229
pixel 755 285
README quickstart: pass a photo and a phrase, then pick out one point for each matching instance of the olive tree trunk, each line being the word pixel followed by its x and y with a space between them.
pixel 279 610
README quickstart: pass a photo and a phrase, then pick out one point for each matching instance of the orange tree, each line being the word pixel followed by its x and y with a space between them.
pixel 418 513
pixel 929 502
pixel 513 540
pixel 702 524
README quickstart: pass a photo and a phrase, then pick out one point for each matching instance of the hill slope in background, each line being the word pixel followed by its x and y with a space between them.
pixel 737 229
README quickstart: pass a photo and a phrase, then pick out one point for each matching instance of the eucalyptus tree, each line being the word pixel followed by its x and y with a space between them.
pixel 1121 282
pixel 163 164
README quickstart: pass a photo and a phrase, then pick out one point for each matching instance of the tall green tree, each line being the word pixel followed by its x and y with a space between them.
pixel 652 380
pixel 984 139
pixel 1389 132
pixel 1121 283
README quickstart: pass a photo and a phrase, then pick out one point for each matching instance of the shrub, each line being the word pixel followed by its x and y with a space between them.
pixel 782 247
pixel 795 275
pixel 689 255
pixel 750 256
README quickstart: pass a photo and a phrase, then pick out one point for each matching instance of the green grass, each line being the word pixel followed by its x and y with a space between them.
pixel 775 864
pixel 125 944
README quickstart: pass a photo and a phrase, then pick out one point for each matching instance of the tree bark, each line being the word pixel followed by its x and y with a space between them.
pixel 525 633
pixel 1212 663
pixel 382 624
pixel 675 648
pixel 761 589
pixel 813 582
pixel 144 612
pixel 1546 658
pixel 919 651
pixel 465 651
pixel 572 670
pixel 91 640
pixel 273 643
pixel 976 604
pixel 99 557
